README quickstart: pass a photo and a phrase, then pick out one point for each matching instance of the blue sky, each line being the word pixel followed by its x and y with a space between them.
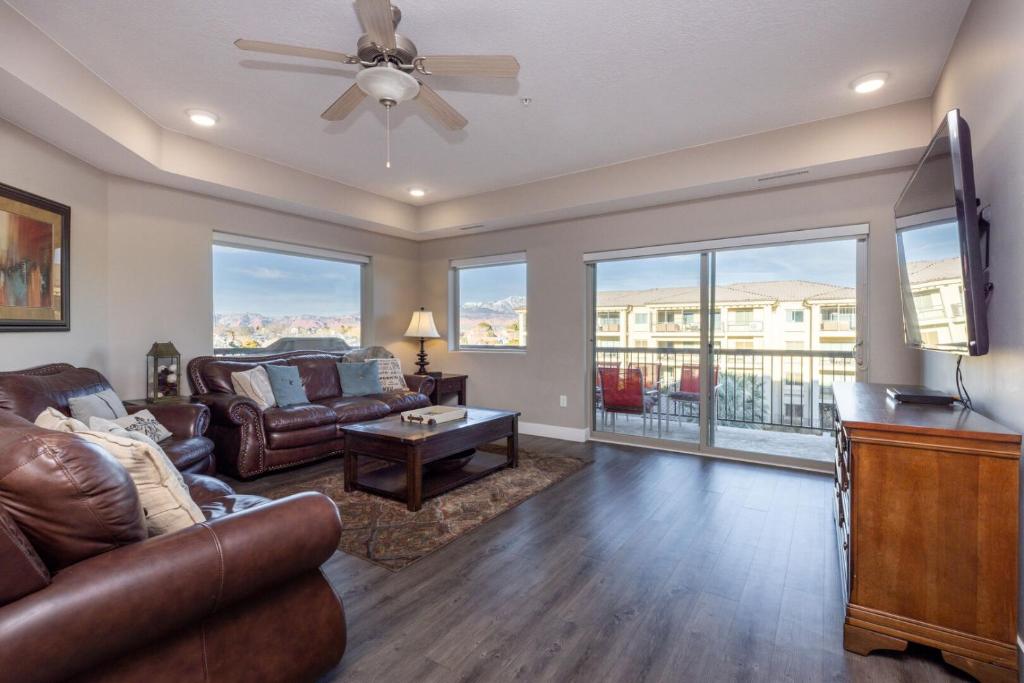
pixel 828 262
pixel 931 243
pixel 247 281
pixel 492 283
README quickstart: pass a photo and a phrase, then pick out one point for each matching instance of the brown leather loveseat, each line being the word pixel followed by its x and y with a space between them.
pixel 86 596
pixel 251 441
pixel 27 393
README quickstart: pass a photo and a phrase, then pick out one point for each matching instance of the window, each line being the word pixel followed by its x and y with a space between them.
pixel 489 302
pixel 795 345
pixel 641 318
pixel 795 316
pixel 269 296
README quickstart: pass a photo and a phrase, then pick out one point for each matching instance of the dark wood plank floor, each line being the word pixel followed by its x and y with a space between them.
pixel 645 566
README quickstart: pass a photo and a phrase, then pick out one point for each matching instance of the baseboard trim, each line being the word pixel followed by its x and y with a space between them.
pixel 579 435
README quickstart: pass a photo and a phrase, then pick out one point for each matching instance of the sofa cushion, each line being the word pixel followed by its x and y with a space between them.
pixel 165 500
pixel 397 401
pixel 287 385
pixel 302 437
pixel 348 409
pixel 106 404
pixel 319 376
pixel 391 377
pixel 289 418
pixel 254 384
pixel 28 395
pixel 70 498
pixel 359 379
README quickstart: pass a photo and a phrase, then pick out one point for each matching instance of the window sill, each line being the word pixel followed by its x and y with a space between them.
pixel 520 350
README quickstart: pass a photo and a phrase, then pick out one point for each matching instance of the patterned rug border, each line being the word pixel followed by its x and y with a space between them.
pixel 525 454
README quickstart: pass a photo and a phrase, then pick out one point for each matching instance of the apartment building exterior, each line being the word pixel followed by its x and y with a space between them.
pixel 792 315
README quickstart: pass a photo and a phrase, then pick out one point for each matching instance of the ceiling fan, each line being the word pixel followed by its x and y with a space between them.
pixel 391 68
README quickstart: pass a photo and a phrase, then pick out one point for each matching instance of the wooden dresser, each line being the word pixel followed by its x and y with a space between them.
pixel 926 522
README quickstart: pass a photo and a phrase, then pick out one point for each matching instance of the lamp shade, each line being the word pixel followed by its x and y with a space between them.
pixel 422 325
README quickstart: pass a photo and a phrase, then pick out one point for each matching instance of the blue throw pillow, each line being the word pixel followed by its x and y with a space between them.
pixel 286 385
pixel 359 379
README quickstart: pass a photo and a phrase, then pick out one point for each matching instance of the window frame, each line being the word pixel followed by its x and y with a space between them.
pixel 455 266
pixel 365 263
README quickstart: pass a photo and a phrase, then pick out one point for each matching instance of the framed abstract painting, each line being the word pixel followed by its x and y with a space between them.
pixel 34 263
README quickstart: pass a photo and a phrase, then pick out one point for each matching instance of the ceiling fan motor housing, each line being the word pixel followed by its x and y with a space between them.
pixel 405 51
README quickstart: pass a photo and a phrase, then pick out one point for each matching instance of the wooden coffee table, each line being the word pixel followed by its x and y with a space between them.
pixel 411 448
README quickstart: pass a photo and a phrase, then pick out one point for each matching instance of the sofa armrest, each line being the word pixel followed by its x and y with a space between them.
pixel 119 601
pixel 184 420
pixel 230 408
pixel 423 384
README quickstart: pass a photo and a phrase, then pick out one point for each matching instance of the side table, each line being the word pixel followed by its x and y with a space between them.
pixel 449 385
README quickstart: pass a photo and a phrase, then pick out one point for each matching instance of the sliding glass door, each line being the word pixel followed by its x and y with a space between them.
pixel 785 332
pixel 728 348
pixel 647 338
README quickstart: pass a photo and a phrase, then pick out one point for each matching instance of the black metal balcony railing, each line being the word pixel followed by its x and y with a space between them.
pixel 755 388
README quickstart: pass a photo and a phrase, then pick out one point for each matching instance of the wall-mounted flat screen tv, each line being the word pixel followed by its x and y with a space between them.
pixel 943 281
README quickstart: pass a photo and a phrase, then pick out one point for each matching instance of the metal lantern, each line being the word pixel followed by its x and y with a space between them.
pixel 162 364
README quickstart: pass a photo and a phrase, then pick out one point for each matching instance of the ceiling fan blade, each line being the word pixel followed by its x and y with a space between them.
pixel 344 105
pixel 442 111
pixel 294 51
pixel 378 21
pixel 497 66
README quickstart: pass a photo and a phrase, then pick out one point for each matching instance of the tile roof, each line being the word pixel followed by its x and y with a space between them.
pixel 738 292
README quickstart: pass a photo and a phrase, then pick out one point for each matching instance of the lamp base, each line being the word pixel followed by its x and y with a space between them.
pixel 421 358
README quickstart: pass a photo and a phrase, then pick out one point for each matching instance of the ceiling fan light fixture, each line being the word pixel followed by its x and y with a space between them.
pixel 387 85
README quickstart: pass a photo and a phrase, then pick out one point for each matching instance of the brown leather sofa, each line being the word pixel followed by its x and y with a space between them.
pixel 27 393
pixel 86 596
pixel 251 442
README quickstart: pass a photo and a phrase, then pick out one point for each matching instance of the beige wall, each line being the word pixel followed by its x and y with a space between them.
pixel 984 77
pixel 555 362
pixel 30 164
pixel 141 264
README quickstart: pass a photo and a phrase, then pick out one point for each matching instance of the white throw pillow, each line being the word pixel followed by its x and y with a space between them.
pixel 143 422
pixel 390 372
pixel 105 404
pixel 254 384
pixel 51 418
pixel 165 498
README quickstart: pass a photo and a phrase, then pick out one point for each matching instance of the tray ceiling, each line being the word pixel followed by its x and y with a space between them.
pixel 609 81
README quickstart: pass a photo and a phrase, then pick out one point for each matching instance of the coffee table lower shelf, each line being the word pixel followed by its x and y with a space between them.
pixel 389 481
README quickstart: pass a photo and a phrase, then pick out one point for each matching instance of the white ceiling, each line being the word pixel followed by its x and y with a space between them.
pixel 610 80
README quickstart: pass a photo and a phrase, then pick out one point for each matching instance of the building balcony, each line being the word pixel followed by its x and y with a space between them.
pixel 609 327
pixel 844 324
pixel 765 401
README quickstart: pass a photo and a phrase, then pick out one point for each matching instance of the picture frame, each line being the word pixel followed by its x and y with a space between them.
pixel 35 263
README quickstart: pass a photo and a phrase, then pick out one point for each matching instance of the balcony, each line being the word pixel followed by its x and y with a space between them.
pixel 609 327
pixel 745 326
pixel 842 323
pixel 668 327
pixel 766 401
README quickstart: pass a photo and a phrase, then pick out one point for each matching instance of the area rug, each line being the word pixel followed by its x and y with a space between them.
pixel 386 533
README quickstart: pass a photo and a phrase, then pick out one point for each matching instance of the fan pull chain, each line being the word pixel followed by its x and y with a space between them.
pixel 387 136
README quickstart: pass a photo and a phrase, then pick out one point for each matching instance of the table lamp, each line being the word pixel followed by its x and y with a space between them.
pixel 422 326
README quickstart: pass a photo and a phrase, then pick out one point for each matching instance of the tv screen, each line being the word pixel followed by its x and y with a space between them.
pixel 943 282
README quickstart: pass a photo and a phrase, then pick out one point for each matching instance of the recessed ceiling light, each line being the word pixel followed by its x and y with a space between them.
pixel 417 192
pixel 202 118
pixel 869 83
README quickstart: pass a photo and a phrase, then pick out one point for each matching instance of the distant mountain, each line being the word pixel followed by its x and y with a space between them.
pixel 502 308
